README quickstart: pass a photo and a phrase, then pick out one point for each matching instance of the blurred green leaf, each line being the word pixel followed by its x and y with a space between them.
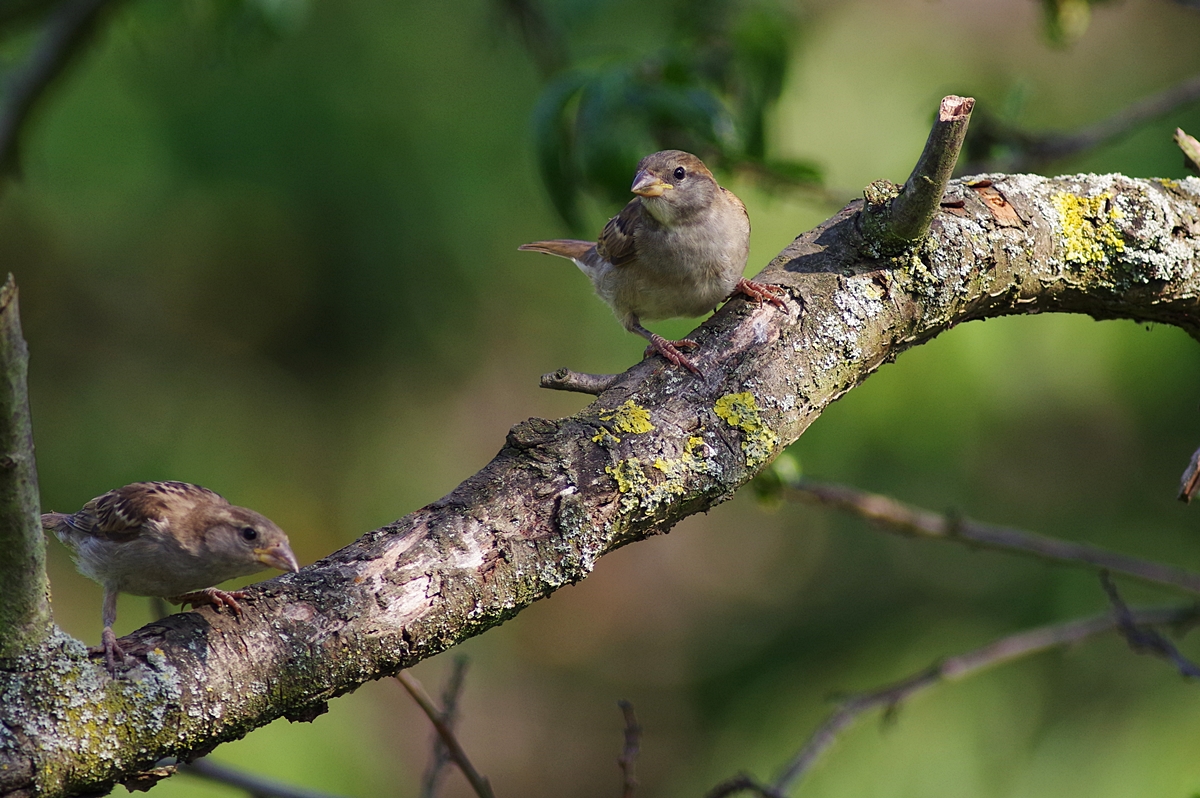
pixel 709 92
pixel 552 135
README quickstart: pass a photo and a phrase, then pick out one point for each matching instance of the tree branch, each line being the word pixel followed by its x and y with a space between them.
pixel 257 786
pixel 1141 640
pixel 893 516
pixel 1004 650
pixel 69 26
pixel 441 754
pixel 478 783
pixel 633 739
pixel 566 380
pixel 1034 151
pixel 910 214
pixel 1191 149
pixel 561 494
pixel 24 599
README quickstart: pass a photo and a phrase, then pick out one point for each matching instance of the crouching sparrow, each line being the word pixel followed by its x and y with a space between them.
pixel 174 540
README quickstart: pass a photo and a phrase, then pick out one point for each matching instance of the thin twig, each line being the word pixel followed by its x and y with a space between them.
pixel 440 756
pixel 742 782
pixel 414 688
pixel 68 27
pixel 1142 640
pixel 633 738
pixel 894 516
pixel 256 786
pixel 998 652
pixel 566 380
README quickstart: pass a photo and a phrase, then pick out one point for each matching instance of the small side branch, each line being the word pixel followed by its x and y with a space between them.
pixel 478 783
pixel 894 516
pixel 68 27
pixel 24 599
pixel 998 652
pixel 633 739
pixel 566 380
pixel 896 219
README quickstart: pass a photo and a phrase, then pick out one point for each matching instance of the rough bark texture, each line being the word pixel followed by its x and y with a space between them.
pixel 24 593
pixel 659 445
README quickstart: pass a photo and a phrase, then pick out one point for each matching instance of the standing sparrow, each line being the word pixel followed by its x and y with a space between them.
pixel 168 539
pixel 677 249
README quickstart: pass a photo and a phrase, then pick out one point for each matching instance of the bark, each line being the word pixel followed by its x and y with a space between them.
pixel 24 599
pixel 656 446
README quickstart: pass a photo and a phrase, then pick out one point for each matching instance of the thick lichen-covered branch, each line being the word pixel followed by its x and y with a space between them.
pixel 658 445
pixel 24 600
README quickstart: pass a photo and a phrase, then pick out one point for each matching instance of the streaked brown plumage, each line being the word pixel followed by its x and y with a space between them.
pixel 677 249
pixel 168 539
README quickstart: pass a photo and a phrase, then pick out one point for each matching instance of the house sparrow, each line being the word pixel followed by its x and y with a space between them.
pixel 168 539
pixel 677 249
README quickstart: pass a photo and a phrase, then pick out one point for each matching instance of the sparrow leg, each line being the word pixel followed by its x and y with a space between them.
pixel 760 291
pixel 668 349
pixel 108 640
pixel 217 598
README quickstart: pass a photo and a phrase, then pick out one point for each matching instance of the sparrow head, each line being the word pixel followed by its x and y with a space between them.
pixel 244 540
pixel 674 185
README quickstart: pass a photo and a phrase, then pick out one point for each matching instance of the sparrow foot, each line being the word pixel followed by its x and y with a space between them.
pixel 111 650
pixel 670 350
pixel 217 598
pixel 761 291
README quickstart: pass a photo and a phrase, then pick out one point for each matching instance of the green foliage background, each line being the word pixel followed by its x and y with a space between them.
pixel 275 253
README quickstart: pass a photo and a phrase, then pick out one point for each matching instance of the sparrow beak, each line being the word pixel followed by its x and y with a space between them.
pixel 648 185
pixel 279 556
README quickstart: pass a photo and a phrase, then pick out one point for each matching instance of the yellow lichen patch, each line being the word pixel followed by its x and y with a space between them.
pixel 628 475
pixel 630 418
pixel 740 411
pixel 678 468
pixel 605 437
pixel 639 490
pixel 1089 235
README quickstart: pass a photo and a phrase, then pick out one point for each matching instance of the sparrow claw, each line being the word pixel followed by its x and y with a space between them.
pixel 217 598
pixel 761 291
pixel 111 650
pixel 669 350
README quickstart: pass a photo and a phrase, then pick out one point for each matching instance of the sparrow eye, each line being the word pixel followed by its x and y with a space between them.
pixel 249 532
pixel 680 173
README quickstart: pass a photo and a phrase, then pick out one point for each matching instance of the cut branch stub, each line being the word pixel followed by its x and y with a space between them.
pixel 1191 149
pixel 895 219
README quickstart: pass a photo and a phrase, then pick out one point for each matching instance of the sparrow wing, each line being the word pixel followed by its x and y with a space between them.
pixel 733 198
pixel 120 513
pixel 617 243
